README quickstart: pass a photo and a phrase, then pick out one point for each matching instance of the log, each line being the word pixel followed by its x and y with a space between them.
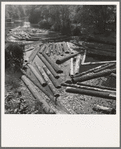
pixel 105 67
pixel 101 62
pixel 37 75
pixel 34 53
pixel 93 76
pixel 43 48
pixel 60 49
pixel 65 47
pixel 40 72
pixel 62 46
pixel 100 87
pixel 78 63
pixel 53 80
pixel 103 109
pixel 31 48
pixel 90 70
pixel 54 49
pixel 71 68
pixel 102 53
pixel 90 93
pixel 53 90
pixel 48 65
pixel 89 88
pixel 47 50
pixel 103 47
pixel 68 79
pixel 113 75
pixel 52 63
pixel 51 48
pixel 71 50
pixel 36 95
pixel 84 57
pixel 39 86
pixel 60 61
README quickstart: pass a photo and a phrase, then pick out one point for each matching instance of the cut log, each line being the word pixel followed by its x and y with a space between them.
pixel 37 75
pixel 40 71
pixel 60 49
pixel 78 63
pixel 43 89
pixel 27 50
pixel 93 76
pixel 102 62
pixel 113 75
pixel 90 70
pixel 52 63
pixel 105 67
pixel 48 50
pixel 100 87
pixel 89 88
pixel 43 48
pixel 54 49
pixel 84 57
pixel 62 60
pixel 54 90
pixel 33 54
pixel 51 48
pixel 71 68
pixel 71 50
pixel 68 79
pixel 48 65
pixel 91 93
pixel 36 95
pixel 103 109
pixel 53 80
pixel 102 53
pixel 66 49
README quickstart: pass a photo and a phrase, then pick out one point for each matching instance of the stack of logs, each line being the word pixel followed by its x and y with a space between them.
pixel 74 80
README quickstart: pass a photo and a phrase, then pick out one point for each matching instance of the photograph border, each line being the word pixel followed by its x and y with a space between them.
pixel 62 117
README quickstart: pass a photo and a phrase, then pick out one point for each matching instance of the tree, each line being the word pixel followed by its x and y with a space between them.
pixel 95 16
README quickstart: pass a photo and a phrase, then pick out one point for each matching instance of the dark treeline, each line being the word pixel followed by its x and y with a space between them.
pixel 67 19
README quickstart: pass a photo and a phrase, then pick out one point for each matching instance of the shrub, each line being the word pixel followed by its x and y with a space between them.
pixel 44 24
pixel 13 56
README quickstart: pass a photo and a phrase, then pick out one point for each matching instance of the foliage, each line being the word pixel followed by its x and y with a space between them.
pixel 44 24
pixel 13 56
pixel 95 18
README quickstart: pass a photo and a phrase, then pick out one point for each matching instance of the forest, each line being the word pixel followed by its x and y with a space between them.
pixel 67 19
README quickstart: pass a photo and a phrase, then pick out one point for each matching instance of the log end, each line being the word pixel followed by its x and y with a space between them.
pixel 44 84
pixel 58 61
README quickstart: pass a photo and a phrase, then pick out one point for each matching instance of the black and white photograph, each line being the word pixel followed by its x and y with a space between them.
pixel 61 59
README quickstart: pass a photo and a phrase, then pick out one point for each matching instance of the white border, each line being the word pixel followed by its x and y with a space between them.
pixel 59 130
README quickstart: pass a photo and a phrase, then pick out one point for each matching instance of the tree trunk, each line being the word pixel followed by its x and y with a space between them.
pixel 90 93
